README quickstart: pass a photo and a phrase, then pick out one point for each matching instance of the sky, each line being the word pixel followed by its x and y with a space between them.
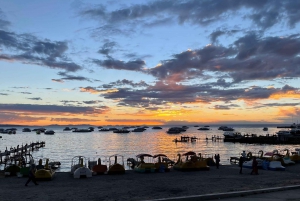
pixel 145 62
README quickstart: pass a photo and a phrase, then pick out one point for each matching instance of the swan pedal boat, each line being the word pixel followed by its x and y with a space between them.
pixel 161 165
pixel 248 164
pixel 142 166
pixel 79 169
pixel 276 165
pixel 192 162
pixel 44 172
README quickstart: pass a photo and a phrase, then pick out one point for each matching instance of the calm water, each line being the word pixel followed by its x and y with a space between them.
pixel 64 145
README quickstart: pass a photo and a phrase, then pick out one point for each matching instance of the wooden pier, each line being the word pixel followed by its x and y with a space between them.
pixel 14 153
pixel 186 139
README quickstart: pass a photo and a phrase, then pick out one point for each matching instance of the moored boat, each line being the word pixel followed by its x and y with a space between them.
pixel 144 167
pixel 49 132
pixel 79 169
pixel 161 165
pixel 114 166
pixel 44 172
pixel 191 163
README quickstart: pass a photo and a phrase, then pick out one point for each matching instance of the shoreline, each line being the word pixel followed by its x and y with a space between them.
pixel 135 186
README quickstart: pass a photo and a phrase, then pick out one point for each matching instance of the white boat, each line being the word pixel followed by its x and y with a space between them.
pixel 276 165
pixel 248 164
pixel 79 168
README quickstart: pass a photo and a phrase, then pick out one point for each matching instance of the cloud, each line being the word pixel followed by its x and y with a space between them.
pixel 25 93
pixel 72 120
pixel 107 48
pixel 3 23
pixel 35 51
pixel 57 80
pixel 9 117
pixel 3 94
pixel 70 77
pixel 264 14
pixel 225 107
pixel 135 65
pixel 49 109
pixel 124 82
pixel 38 98
pixel 91 102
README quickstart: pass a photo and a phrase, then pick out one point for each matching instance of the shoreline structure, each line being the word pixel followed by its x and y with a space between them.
pixel 134 186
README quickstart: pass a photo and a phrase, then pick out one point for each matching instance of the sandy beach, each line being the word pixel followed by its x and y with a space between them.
pixel 137 186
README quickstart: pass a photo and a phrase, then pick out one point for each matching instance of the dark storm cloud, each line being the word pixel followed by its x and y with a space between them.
pixel 33 50
pixel 264 13
pixel 136 65
pixel 34 98
pixel 71 77
pixel 48 109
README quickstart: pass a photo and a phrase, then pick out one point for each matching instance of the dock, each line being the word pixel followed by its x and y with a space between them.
pixel 186 139
pixel 14 153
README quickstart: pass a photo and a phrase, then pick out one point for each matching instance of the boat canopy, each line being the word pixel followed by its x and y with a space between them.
pixel 143 155
pixel 189 153
pixel 158 155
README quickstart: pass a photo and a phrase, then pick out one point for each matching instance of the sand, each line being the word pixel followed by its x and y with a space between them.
pixel 138 186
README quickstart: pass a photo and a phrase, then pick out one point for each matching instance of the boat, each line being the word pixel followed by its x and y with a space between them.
pixel 49 132
pixel 121 131
pixel 26 161
pixel 295 155
pixel 156 127
pixel 142 166
pixel 83 130
pixel 203 129
pixel 191 163
pixel 98 168
pixel 231 136
pixel 276 165
pixel 228 129
pixel 44 172
pixel 161 165
pixel 265 129
pixel 174 130
pixel 248 164
pixel 79 169
pixel 26 130
pixel 114 167
pixel 138 130
pixel 67 129
pixel 104 129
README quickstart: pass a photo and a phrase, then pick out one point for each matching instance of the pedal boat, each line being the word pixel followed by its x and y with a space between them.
pixel 191 163
pixel 276 166
pixel 44 172
pixel 160 165
pixel 144 167
pixel 79 169
pixel 114 167
pixel 98 168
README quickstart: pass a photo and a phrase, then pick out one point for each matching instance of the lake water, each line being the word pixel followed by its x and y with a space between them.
pixel 64 145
